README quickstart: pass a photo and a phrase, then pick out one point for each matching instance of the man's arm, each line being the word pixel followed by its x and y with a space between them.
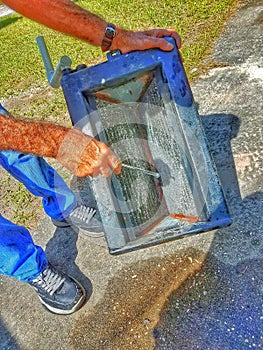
pixel 81 154
pixel 67 17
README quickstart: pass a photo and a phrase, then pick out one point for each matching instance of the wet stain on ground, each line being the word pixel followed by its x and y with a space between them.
pixel 130 309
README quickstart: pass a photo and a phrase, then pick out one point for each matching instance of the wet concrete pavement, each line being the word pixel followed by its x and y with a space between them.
pixel 202 292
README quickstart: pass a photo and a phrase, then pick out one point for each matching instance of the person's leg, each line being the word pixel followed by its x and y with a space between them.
pixel 22 259
pixel 59 202
pixel 19 256
pixel 41 180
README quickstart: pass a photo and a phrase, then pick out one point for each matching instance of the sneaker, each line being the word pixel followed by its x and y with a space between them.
pixel 81 217
pixel 58 292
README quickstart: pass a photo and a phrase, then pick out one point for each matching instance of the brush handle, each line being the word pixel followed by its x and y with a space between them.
pixel 148 172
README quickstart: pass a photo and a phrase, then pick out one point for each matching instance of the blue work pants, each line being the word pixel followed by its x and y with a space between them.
pixel 19 256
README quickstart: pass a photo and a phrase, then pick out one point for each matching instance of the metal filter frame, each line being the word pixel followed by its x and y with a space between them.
pixel 84 87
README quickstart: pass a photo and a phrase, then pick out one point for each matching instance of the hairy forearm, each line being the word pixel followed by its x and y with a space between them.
pixel 67 17
pixel 81 154
pixel 28 137
pixel 64 16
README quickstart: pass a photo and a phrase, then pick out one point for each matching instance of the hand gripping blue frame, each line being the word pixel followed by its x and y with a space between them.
pixel 82 89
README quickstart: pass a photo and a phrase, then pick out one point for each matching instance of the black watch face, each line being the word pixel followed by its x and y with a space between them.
pixel 110 33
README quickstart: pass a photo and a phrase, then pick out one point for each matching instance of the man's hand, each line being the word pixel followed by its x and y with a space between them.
pixel 127 41
pixel 84 155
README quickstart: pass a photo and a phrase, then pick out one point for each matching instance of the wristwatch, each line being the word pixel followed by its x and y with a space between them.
pixel 109 34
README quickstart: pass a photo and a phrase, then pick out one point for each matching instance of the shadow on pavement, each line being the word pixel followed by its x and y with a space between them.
pixel 220 306
pixel 7 21
pixel 7 341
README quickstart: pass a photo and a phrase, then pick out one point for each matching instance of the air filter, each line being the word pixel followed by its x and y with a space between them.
pixel 141 105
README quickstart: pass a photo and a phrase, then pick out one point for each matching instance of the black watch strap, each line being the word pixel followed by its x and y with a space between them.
pixel 109 34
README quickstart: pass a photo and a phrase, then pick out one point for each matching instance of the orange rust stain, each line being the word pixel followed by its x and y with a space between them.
pixel 188 218
pixel 106 97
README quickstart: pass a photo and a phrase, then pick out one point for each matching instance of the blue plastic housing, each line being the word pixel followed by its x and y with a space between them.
pixel 141 105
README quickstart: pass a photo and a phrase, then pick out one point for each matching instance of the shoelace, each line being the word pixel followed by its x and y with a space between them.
pixel 83 213
pixel 49 280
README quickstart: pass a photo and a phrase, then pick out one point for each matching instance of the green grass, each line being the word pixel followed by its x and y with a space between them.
pixel 198 22
pixel 17 204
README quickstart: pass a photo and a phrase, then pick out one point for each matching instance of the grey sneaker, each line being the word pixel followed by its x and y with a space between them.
pixel 58 292
pixel 81 217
